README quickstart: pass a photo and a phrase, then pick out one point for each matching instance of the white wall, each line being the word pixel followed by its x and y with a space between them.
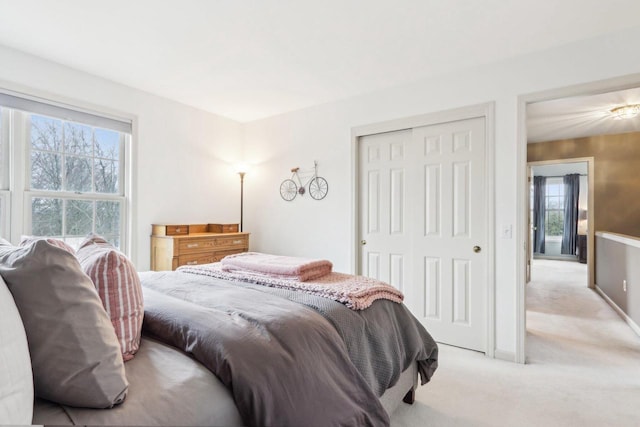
pixel 182 155
pixel 310 228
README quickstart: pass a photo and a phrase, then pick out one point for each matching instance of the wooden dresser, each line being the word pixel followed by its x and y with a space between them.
pixel 173 245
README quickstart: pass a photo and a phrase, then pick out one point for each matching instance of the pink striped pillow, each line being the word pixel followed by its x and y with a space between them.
pixel 118 285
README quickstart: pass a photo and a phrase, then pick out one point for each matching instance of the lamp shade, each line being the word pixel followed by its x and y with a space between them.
pixel 241 168
pixel 582 222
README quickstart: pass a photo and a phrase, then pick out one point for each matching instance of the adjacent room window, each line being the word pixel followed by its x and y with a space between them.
pixel 554 214
pixel 74 175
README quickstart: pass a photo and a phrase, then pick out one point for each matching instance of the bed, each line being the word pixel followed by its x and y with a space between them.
pixel 220 352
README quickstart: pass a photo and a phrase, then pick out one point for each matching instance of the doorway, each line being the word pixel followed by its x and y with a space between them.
pixel 583 119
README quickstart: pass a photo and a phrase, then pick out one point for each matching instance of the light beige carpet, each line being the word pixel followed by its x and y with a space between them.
pixel 583 366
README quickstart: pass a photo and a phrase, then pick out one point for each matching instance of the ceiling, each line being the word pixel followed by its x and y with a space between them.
pixel 580 116
pixel 251 59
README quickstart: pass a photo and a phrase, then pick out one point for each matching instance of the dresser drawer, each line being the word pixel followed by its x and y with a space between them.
pixel 223 228
pixel 199 244
pixel 196 259
pixel 232 242
pixel 169 230
pixel 186 246
pixel 196 245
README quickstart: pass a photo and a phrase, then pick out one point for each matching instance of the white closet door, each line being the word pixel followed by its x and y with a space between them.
pixel 422 216
pixel 384 228
pixel 449 262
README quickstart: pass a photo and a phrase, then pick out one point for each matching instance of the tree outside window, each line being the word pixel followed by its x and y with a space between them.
pixel 75 169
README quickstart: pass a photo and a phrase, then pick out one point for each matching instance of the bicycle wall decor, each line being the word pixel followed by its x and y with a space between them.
pixel 318 186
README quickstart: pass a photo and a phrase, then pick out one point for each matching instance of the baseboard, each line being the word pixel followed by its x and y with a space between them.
pixel 633 325
pixel 508 356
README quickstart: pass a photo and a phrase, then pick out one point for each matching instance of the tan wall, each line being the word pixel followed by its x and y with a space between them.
pixel 616 176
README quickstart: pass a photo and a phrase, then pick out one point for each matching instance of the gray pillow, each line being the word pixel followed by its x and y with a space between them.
pixel 75 354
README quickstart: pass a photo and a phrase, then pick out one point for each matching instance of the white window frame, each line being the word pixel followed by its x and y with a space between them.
pixel 5 174
pixel 16 206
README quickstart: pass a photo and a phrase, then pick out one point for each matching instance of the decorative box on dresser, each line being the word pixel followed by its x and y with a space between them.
pixel 174 245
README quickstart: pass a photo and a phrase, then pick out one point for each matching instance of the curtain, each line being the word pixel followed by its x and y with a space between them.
pixel 539 191
pixel 571 193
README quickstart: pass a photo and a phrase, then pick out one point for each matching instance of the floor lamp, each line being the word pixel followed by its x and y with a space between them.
pixel 241 171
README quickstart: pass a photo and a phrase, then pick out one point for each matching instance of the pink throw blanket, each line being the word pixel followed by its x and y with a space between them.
pixel 276 266
pixel 356 292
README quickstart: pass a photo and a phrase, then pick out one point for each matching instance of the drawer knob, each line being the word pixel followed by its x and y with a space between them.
pixel 177 229
pixel 192 263
pixel 192 245
pixel 237 242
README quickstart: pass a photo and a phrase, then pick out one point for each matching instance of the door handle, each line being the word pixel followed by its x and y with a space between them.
pixel 477 249
pixel 363 242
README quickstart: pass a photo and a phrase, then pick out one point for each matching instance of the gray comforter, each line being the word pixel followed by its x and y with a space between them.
pixel 284 363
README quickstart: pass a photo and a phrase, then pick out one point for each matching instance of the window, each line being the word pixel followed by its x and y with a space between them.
pixel 4 174
pixel 554 214
pixel 74 180
pixel 73 176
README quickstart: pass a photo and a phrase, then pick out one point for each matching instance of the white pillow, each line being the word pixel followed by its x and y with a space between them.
pixel 16 379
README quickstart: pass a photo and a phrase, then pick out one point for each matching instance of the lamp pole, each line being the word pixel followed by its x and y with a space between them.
pixel 241 197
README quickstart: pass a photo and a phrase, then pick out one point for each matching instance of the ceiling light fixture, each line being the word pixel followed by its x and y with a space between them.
pixel 626 111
